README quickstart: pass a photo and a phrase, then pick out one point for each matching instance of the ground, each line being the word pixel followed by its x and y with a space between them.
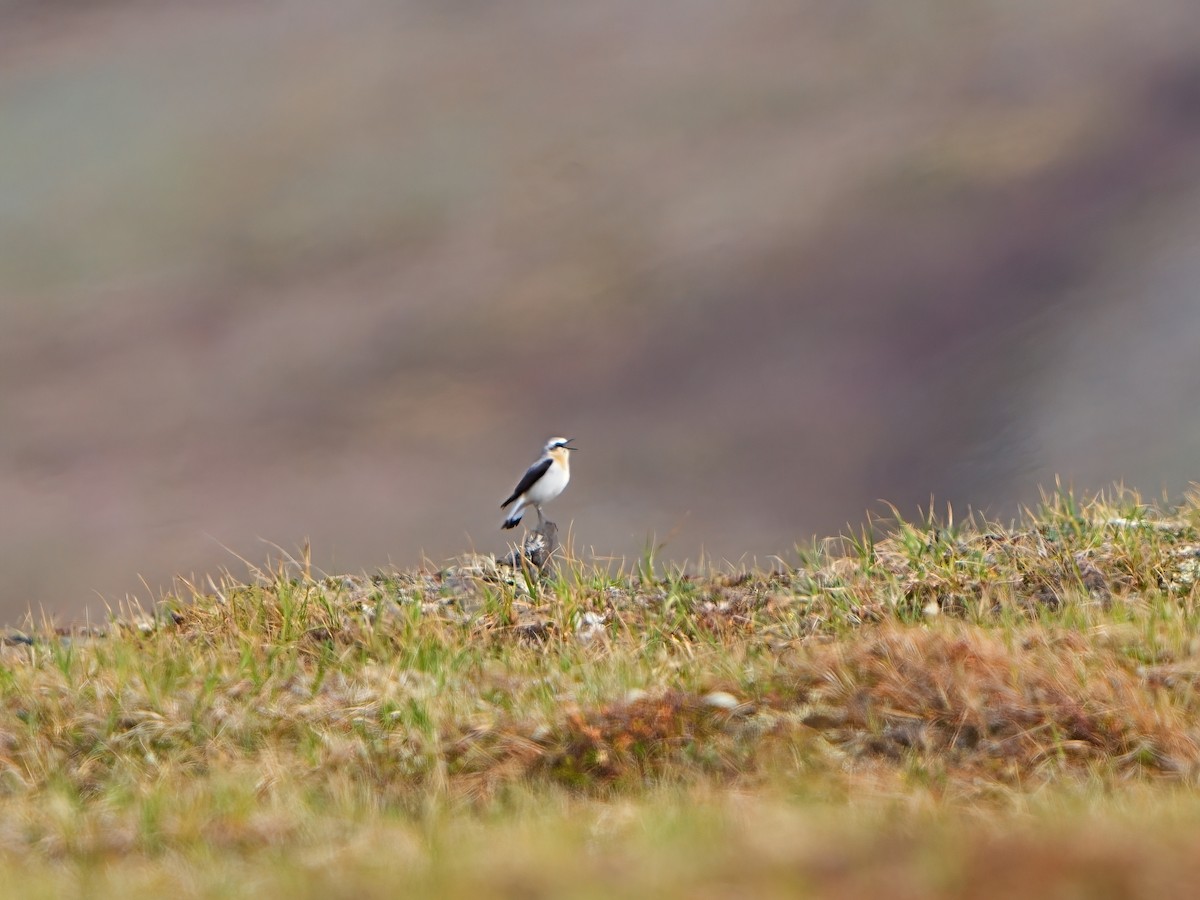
pixel 948 709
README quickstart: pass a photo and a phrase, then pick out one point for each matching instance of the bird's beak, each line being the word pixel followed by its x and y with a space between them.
pixel 569 441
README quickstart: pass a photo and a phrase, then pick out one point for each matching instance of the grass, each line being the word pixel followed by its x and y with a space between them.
pixel 937 708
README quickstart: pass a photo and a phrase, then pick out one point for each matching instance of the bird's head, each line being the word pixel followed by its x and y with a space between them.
pixel 558 443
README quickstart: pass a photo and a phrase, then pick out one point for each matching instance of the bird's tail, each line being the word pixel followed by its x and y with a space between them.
pixel 514 516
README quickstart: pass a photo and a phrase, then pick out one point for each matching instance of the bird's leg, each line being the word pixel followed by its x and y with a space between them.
pixel 541 519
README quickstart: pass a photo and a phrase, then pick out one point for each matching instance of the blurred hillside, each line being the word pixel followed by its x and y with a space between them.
pixel 284 270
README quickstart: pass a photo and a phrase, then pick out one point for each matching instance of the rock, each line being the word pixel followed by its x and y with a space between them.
pixel 721 700
pixel 537 550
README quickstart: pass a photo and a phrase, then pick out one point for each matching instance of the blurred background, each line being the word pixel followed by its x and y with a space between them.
pixel 276 271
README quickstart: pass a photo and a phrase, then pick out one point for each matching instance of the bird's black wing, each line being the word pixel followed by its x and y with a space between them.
pixel 536 471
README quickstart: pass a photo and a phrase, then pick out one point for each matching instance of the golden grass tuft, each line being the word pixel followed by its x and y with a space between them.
pixel 1002 705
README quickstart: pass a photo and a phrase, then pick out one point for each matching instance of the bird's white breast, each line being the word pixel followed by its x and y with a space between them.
pixel 549 485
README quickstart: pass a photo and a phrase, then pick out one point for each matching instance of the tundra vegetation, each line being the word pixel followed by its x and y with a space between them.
pixel 934 708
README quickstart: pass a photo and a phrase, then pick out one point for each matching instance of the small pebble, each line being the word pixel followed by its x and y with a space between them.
pixel 721 700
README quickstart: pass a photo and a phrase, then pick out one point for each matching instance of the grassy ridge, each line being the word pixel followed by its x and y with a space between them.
pixel 909 709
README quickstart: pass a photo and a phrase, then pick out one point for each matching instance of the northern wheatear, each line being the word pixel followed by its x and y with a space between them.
pixel 542 482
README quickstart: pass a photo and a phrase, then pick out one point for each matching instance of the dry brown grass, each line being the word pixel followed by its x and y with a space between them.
pixel 1003 706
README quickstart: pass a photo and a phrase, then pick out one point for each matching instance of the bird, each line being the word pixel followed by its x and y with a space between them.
pixel 542 482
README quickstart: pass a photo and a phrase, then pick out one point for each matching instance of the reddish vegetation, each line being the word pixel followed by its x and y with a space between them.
pixel 632 737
